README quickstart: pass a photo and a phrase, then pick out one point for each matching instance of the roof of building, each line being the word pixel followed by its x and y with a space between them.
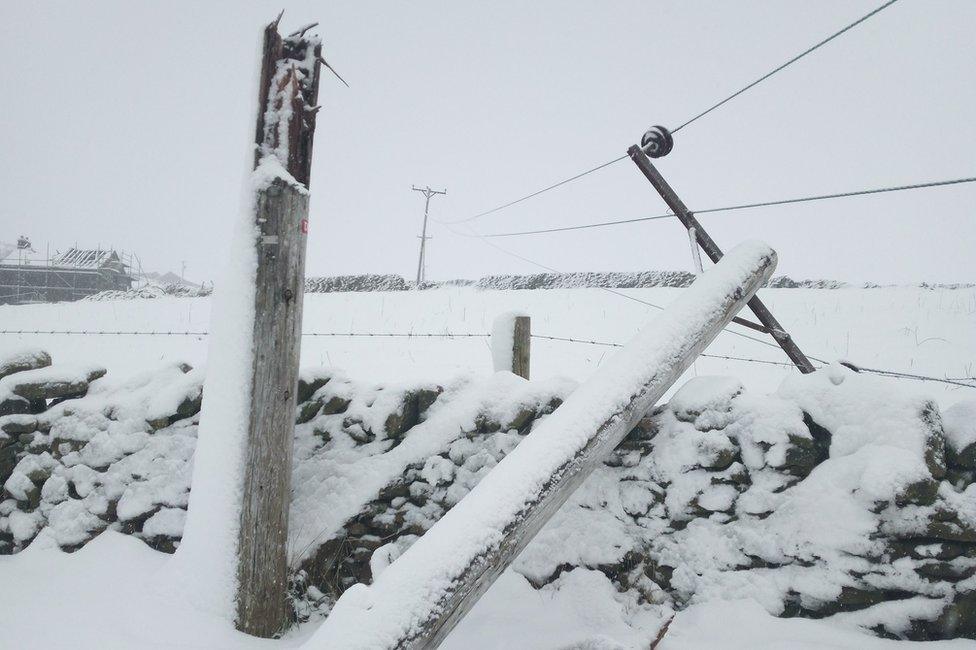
pixel 85 258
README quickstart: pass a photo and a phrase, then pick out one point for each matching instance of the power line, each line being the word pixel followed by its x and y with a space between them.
pixel 681 126
pixel 888 373
pixel 790 62
pixel 533 194
pixel 743 206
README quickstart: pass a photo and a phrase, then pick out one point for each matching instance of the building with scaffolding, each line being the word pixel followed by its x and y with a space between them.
pixel 72 275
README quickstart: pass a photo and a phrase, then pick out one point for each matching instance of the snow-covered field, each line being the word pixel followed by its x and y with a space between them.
pixel 921 331
pixel 112 594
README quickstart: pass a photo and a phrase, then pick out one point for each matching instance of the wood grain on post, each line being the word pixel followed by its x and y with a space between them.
pixel 521 346
pixel 417 600
pixel 285 126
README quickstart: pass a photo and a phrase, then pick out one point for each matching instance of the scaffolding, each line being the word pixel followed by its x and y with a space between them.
pixel 66 276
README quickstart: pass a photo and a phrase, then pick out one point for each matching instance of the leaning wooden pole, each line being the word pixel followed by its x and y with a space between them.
pixel 283 156
pixel 769 324
pixel 419 598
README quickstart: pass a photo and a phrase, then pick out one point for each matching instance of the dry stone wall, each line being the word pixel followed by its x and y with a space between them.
pixel 837 497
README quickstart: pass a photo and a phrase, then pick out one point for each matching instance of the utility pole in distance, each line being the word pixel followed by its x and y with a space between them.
pixel 427 192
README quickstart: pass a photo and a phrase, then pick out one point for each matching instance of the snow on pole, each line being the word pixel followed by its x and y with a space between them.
pixel 234 550
pixel 419 598
pixel 511 335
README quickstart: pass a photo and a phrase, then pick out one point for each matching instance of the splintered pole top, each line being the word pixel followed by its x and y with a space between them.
pixel 288 100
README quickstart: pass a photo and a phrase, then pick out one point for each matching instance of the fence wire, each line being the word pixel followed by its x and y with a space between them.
pixel 966 382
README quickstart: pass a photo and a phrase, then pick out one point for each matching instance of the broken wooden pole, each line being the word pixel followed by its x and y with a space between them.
pixel 511 343
pixel 288 93
pixel 419 598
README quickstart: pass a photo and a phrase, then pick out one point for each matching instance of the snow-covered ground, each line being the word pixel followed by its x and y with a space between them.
pixel 921 331
pixel 110 594
pixel 107 596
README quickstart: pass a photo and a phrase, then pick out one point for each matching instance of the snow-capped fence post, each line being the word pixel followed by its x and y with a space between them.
pixel 511 343
pixel 287 104
pixel 421 596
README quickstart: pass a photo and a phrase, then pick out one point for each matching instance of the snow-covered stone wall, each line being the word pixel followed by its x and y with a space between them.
pixel 151 291
pixel 840 496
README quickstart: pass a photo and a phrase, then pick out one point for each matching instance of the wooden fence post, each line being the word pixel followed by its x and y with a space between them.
pixel 521 346
pixel 511 343
pixel 288 92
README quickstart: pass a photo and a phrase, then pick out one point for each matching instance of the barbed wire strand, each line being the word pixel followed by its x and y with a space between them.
pixel 620 345
pixel 454 335
pixel 891 373
pixel 206 333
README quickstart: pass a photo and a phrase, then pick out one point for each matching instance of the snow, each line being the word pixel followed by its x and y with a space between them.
pixel 591 530
pixel 204 568
pixel 168 521
pixel 167 400
pixel 924 331
pixel 745 625
pixel 917 330
pixel 959 421
pixel 112 587
pixel 271 169
pixel 23 525
pixel 336 485
pixel 409 591
pixel 503 340
pixel 383 557
pixel 75 373
pixel 616 511
pixel 581 609
pixel 60 375
pixel 107 595
pixel 23 358
pixel 703 394
pixel 879 438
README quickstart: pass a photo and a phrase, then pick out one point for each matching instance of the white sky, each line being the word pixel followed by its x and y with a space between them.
pixel 125 123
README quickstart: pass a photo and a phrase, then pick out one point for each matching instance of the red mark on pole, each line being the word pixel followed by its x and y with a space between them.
pixel 304 226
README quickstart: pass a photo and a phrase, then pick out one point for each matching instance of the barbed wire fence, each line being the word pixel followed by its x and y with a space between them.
pixel 966 382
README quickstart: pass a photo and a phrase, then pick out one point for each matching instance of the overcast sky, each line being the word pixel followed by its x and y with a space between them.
pixel 124 123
